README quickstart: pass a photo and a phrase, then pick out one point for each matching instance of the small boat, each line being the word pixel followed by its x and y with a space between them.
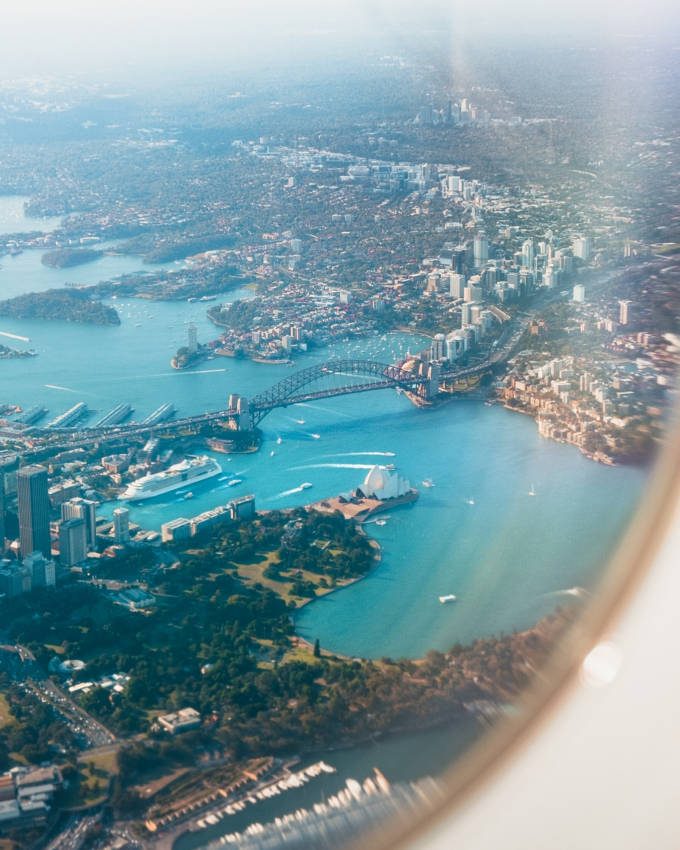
pixel 189 495
pixel 428 482
pixel 306 485
pixel 449 597
pixel 279 440
pixel 234 481
pixel 532 491
pixel 272 453
pixel 470 501
pixel 381 522
pixel 315 436
pixel 299 421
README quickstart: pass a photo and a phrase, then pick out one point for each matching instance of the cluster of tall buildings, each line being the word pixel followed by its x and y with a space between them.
pixel 453 113
pixel 35 568
pixel 76 531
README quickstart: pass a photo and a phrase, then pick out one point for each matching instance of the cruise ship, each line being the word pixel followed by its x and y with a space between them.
pixel 191 470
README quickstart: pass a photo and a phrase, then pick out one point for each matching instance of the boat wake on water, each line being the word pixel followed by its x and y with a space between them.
pixel 334 466
pixel 305 486
pixel 325 409
pixel 576 592
pixel 63 389
pixel 15 336
pixel 362 454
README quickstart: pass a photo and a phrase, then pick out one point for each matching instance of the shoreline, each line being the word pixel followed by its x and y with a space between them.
pixel 441 721
pixel 596 457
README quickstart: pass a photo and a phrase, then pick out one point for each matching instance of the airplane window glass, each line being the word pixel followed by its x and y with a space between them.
pixel 337 349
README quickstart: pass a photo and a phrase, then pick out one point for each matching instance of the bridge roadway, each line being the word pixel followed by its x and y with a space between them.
pixel 395 377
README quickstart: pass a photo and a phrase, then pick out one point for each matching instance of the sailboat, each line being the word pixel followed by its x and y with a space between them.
pixel 532 491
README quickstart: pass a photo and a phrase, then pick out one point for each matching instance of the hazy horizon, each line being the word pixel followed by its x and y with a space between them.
pixel 170 37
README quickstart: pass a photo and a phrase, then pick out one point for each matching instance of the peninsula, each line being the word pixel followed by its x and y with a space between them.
pixel 64 258
pixel 65 305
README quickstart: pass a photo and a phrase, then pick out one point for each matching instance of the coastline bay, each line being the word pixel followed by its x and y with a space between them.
pixel 508 557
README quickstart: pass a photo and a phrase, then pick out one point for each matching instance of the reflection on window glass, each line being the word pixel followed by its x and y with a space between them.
pixel 337 346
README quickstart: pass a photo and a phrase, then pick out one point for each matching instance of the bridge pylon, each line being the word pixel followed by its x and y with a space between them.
pixel 242 412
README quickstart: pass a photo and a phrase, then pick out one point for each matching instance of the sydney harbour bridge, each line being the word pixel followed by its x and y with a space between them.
pixel 421 380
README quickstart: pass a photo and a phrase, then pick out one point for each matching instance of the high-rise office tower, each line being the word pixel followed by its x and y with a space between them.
pixel 456 285
pixel 625 312
pixel 528 254
pixel 121 525
pixel 34 510
pixel 480 248
pixel 72 542
pixel 38 571
pixel 86 510
pixel 582 248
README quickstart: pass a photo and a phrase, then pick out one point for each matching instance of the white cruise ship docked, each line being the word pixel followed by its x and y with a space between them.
pixel 191 470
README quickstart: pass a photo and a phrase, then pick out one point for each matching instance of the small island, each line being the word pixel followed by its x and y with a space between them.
pixel 185 357
pixel 64 258
pixel 66 305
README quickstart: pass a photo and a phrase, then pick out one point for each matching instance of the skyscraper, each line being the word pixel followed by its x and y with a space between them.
pixel 480 247
pixel 528 254
pixel 625 312
pixel 456 285
pixel 582 248
pixel 121 525
pixel 38 571
pixel 34 510
pixel 84 509
pixel 72 542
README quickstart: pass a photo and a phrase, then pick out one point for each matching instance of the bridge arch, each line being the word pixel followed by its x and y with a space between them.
pixel 292 389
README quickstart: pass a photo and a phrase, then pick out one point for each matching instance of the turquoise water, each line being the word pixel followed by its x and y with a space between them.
pixel 507 557
pixel 25 273
pixel 13 219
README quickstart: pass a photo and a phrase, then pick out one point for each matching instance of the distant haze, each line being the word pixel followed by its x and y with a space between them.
pixel 39 36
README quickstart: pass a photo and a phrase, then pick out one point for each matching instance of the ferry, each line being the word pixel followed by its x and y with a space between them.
pixel 191 469
pixel 449 597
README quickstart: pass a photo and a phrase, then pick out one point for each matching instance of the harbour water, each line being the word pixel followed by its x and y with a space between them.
pixel 13 218
pixel 477 533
